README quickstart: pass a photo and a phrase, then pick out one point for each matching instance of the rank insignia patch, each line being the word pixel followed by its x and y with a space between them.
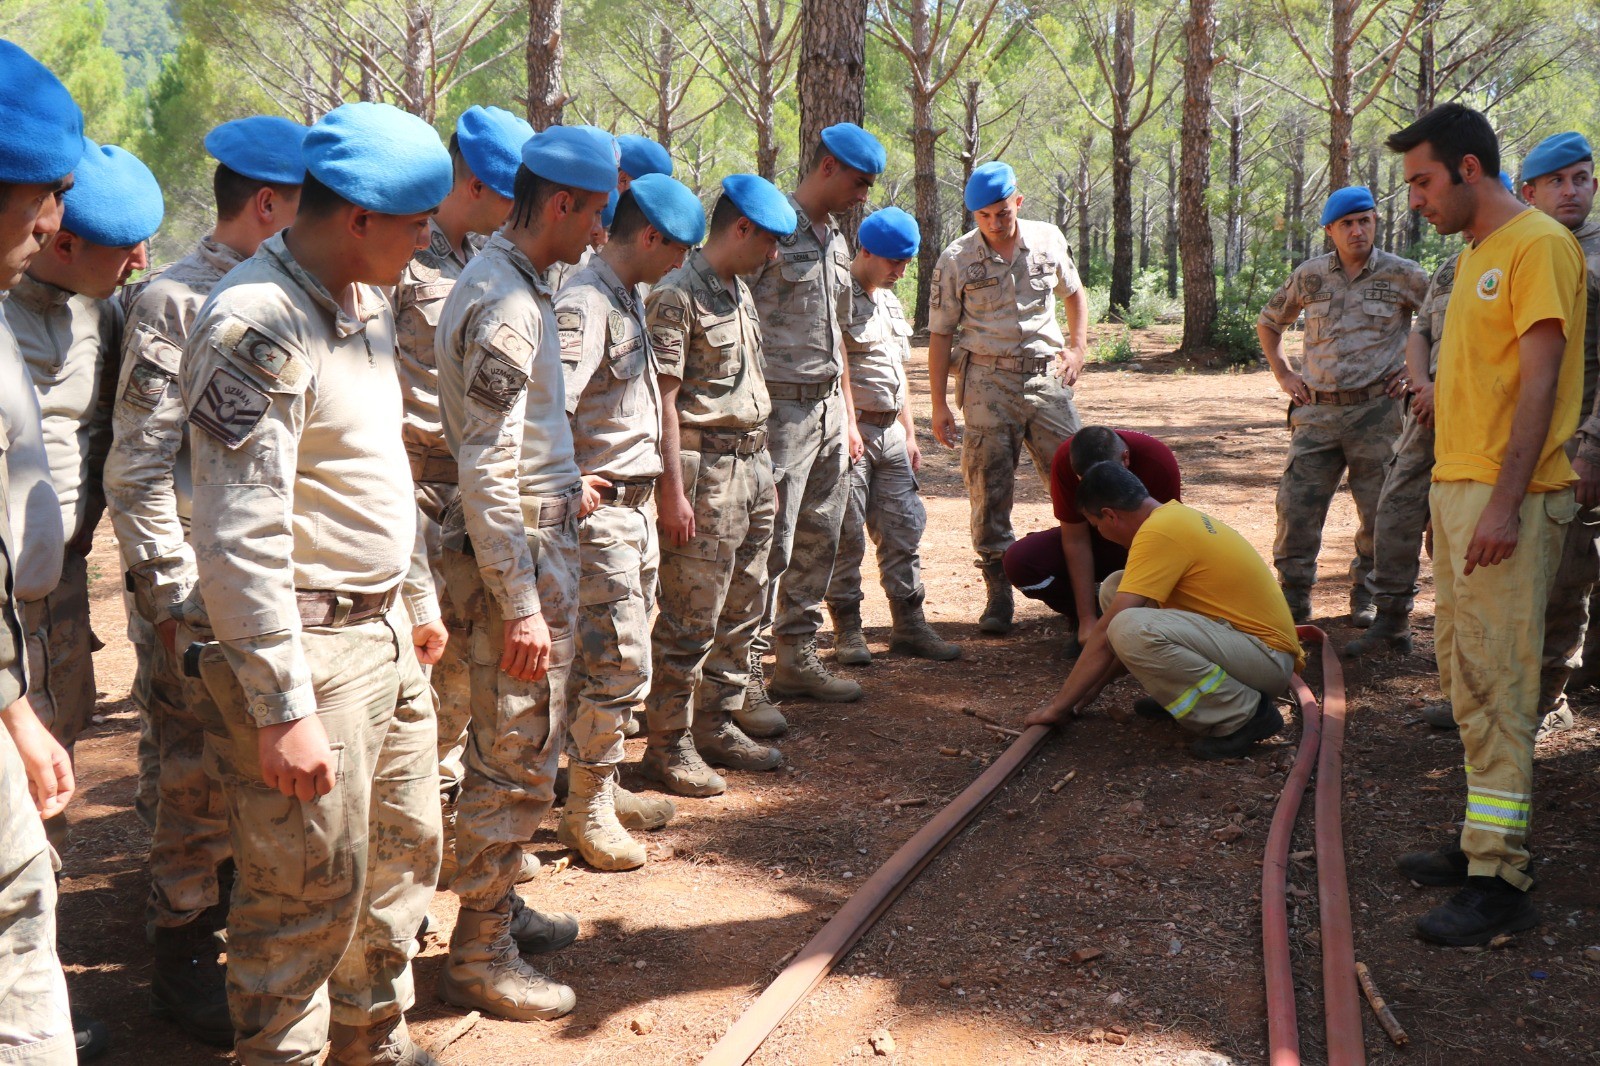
pixel 498 382
pixel 229 408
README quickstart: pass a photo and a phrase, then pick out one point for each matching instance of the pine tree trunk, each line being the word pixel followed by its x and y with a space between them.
pixel 832 76
pixel 925 177
pixel 1085 249
pixel 1194 178
pixel 545 98
pixel 1122 158
pixel 1233 248
pixel 1341 117
pixel 1169 236
pixel 766 117
pixel 1144 228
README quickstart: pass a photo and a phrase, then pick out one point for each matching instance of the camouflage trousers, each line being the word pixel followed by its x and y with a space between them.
pixel 611 668
pixel 449 676
pixel 517 727
pixel 883 503
pixel 712 590
pixel 61 664
pixel 1006 411
pixel 190 836
pixel 1566 616
pixel 35 1026
pixel 1401 517
pixel 1324 441
pixel 1489 641
pixel 329 893
pixel 810 457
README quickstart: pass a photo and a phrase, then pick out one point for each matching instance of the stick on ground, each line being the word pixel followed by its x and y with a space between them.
pixel 1386 1017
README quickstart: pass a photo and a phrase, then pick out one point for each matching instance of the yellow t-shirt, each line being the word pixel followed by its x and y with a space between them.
pixel 1529 270
pixel 1186 560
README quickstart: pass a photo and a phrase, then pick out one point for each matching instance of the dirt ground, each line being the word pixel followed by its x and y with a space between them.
pixel 975 962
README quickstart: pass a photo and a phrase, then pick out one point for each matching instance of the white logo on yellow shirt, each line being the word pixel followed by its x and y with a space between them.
pixel 1489 284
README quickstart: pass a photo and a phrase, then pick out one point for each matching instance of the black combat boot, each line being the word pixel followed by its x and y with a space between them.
pixel 1481 911
pixel 189 984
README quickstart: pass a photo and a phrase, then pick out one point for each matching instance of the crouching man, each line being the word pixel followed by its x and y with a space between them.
pixel 1196 618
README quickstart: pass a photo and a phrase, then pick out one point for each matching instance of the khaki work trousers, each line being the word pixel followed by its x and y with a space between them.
pixel 1489 639
pixel 810 463
pixel 330 893
pixel 1207 674
pixel 884 504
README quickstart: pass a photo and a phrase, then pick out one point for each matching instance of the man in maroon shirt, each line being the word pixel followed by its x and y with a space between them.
pixel 1062 567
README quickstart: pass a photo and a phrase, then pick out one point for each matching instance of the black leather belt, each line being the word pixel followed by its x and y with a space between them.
pixel 802 392
pixel 744 442
pixel 628 493
pixel 882 419
pixel 329 609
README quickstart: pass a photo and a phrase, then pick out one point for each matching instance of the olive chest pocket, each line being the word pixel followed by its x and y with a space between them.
pixel 722 342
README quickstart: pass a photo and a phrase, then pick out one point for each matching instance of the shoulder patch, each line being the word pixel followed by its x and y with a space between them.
pixel 672 314
pixel 147 383
pixel 511 345
pixel 667 342
pixel 975 271
pixel 424 272
pixel 230 408
pixel 569 319
pixel 617 326
pixel 498 382
pixel 263 353
pixel 150 344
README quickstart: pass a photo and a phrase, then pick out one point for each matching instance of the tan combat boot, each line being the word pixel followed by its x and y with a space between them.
pixel 999 609
pixel 537 933
pixel 801 674
pixel 385 1044
pixel 1389 634
pixel 721 743
pixel 485 971
pixel 673 762
pixel 759 716
pixel 849 643
pixel 912 635
pixel 641 812
pixel 589 820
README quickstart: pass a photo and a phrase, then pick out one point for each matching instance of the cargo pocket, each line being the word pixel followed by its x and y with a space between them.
pixel 723 357
pixel 312 857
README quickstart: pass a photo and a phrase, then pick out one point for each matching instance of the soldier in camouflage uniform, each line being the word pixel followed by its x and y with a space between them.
pixel 147 481
pixel 992 314
pixel 883 497
pixel 69 329
pixel 485 150
pixel 511 560
pixel 716 497
pixel 614 402
pixel 303 532
pixel 802 299
pixel 41 139
pixel 1343 413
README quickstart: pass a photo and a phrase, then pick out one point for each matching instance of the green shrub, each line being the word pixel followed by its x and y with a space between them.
pixel 1099 297
pixel 1114 352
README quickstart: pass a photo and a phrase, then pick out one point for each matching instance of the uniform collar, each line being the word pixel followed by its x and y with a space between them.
pixel 990 253
pixel 368 304
pixel 608 277
pixel 40 297
pixel 523 264
pixel 704 273
pixel 1589 229
pixel 803 221
pixel 1336 266
pixel 439 244
pixel 213 253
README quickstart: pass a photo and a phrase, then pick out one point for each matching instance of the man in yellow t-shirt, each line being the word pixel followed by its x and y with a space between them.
pixel 1506 400
pixel 1196 618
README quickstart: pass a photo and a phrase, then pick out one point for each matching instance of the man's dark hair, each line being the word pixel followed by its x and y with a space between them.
pixel 1453 131
pixel 1095 444
pixel 318 201
pixel 460 170
pixel 234 191
pixel 530 193
pixel 724 214
pixel 629 218
pixel 1110 485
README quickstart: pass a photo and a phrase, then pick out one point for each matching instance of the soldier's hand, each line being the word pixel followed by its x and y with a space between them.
pixel 945 429
pixel 430 639
pixel 44 760
pixel 1422 403
pixel 296 758
pixel 1049 714
pixel 1294 386
pixel 1396 385
pixel 592 484
pixel 167 631
pixel 677 518
pixel 1495 538
pixel 1072 364
pixel 1588 481
pixel 527 651
pixel 913 452
pixel 853 442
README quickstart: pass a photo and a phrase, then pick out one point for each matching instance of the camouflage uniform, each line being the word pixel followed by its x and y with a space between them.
pixel 35 1026
pixel 1355 340
pixel 418 299
pixel 1566 617
pixel 70 345
pixel 1402 512
pixel 883 488
pixel 149 497
pixel 1005 352
pixel 801 299
pixel 614 402
pixel 303 529
pixel 510 551
pixel 708 338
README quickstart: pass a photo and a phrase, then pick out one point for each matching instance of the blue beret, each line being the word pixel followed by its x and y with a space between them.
pixel 380 158
pixel 855 147
pixel 1505 180
pixel 609 138
pixel 671 208
pixel 890 233
pixel 641 156
pixel 41 129
pixel 1554 152
pixel 609 215
pixel 990 184
pixel 262 147
pixel 580 157
pixel 491 140
pixel 114 199
pixel 1347 201
pixel 760 201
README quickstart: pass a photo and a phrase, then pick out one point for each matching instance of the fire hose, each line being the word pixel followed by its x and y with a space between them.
pixel 1322 738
